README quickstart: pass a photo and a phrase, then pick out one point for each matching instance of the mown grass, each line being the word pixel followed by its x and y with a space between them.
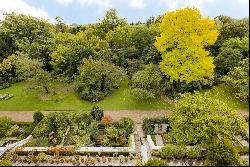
pixel 221 93
pixel 121 99
pixel 27 100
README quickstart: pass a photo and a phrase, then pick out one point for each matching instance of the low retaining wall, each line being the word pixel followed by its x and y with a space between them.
pixel 151 144
pixel 14 145
pixel 130 149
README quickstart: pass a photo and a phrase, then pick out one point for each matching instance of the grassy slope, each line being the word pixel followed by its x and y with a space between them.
pixel 221 93
pixel 121 99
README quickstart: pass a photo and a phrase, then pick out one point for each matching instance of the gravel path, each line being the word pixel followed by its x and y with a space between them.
pixel 136 115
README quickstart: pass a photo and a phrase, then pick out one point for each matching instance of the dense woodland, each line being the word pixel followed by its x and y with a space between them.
pixel 178 52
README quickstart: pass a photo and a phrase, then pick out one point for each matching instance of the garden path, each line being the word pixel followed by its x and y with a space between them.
pixel 136 115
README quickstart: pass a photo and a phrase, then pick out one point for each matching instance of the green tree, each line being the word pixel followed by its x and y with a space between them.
pixel 184 35
pixel 28 35
pixel 31 70
pixel 197 119
pixel 71 49
pixel 109 22
pixel 97 79
pixel 237 80
pixel 230 54
pixel 229 28
pixel 146 83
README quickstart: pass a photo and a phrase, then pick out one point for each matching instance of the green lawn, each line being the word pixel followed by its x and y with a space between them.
pixel 221 93
pixel 121 99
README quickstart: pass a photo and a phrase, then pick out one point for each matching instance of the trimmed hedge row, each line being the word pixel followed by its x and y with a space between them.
pixel 172 151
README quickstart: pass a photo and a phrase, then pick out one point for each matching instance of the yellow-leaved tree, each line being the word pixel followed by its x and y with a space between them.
pixel 182 41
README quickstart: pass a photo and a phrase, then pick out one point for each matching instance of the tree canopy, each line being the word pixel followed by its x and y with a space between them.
pixel 183 38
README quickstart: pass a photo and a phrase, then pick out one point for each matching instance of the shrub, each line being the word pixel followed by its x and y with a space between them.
pixel 148 124
pixel 221 152
pixel 173 151
pixel 41 157
pixel 37 117
pixel 155 162
pixel 6 124
pixel 97 113
pixel 5 162
pixel 242 150
pixel 126 124
pixel 106 120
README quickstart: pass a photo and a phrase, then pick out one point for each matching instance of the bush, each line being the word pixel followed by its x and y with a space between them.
pixel 126 124
pixel 106 120
pixel 237 80
pixel 97 79
pixel 148 124
pixel 97 113
pixel 221 152
pixel 155 162
pixel 242 150
pixel 4 85
pixel 5 162
pixel 6 124
pixel 173 151
pixel 142 94
pixel 37 117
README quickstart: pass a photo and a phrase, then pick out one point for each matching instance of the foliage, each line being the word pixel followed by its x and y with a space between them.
pixel 148 124
pixel 41 157
pixel 230 54
pixel 5 125
pixel 5 162
pixel 7 69
pixel 221 152
pixel 106 120
pixel 37 117
pixel 110 21
pixel 97 113
pixel 71 49
pixel 155 162
pixel 175 88
pixel 242 150
pixel 198 119
pixel 237 80
pixel 31 70
pixel 126 124
pixel 98 79
pixel 13 131
pixel 114 137
pixel 184 34
pixel 28 35
pixel 171 151
pixel 146 83
pixel 229 28
pixel 54 126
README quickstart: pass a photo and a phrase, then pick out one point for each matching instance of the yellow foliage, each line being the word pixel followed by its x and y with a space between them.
pixel 7 64
pixel 184 34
